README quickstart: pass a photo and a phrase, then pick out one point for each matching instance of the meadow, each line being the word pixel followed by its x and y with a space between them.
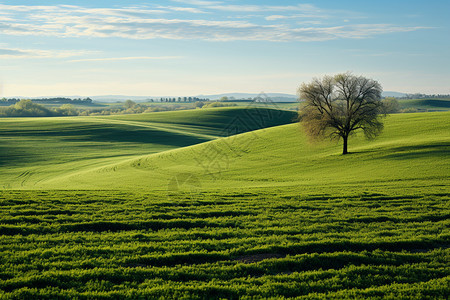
pixel 229 203
pixel 425 104
pixel 263 243
pixel 35 149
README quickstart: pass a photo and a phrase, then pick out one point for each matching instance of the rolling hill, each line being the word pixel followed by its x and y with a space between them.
pixel 36 149
pixel 425 104
pixel 174 206
pixel 281 156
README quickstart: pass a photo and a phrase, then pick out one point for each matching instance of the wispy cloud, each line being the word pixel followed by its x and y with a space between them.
pixel 192 10
pixel 264 8
pixel 198 2
pixel 14 53
pixel 126 58
pixel 219 5
pixel 296 16
pixel 136 23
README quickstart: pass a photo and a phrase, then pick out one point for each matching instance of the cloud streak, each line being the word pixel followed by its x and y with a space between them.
pixel 134 23
pixel 126 58
pixel 264 8
pixel 15 53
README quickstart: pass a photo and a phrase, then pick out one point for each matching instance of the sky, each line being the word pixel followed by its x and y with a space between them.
pixel 194 47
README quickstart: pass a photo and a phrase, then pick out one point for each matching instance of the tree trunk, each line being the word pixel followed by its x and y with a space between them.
pixel 345 138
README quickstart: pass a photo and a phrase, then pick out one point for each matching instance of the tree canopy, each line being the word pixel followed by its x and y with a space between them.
pixel 337 106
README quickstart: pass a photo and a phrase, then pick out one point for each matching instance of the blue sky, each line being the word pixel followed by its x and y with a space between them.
pixel 192 47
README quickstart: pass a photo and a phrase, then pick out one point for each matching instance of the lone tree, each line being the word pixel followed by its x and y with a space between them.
pixel 337 106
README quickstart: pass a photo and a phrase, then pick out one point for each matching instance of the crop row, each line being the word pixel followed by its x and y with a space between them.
pixel 100 244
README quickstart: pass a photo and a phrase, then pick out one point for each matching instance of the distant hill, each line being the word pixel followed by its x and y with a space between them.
pixel 113 98
pixel 280 97
pixel 393 94
pixel 425 104
pixel 277 97
pixel 101 98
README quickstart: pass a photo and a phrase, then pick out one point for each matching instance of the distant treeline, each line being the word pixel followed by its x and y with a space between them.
pixel 28 108
pixel 425 96
pixel 271 100
pixel 57 100
pixel 179 99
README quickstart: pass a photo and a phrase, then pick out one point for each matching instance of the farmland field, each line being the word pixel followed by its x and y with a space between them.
pixel 174 205
pixel 34 149
pixel 426 104
pixel 260 243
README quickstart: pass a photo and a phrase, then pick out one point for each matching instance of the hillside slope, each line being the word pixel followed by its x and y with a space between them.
pixel 413 148
pixel 425 104
pixel 37 149
pixel 260 215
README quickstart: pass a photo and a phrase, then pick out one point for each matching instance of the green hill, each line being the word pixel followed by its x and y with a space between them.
pixel 425 104
pixel 36 149
pixel 281 156
pixel 164 207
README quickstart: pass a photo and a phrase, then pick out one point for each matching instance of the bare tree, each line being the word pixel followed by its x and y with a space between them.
pixel 337 106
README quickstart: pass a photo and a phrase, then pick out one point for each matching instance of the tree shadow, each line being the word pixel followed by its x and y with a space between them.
pixel 419 151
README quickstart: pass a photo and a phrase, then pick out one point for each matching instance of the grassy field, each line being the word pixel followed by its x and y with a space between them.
pixel 174 205
pixel 425 104
pixel 36 149
pixel 405 154
pixel 258 243
pixel 275 105
pixel 419 105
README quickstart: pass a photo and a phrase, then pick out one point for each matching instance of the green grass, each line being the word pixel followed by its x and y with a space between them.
pixel 263 243
pixel 275 105
pixel 426 104
pixel 406 154
pixel 34 150
pixel 165 206
pixel 419 105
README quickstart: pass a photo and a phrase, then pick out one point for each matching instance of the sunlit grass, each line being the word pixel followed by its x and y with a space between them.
pixel 412 150
pixel 117 207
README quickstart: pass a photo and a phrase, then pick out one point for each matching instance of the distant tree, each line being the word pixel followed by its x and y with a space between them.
pixel 67 110
pixel 337 106
pixel 129 104
pixel 218 104
pixel 390 105
pixel 26 108
pixel 199 104
pixel 224 98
